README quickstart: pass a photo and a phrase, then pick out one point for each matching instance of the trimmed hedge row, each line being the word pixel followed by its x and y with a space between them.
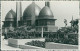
pixel 63 40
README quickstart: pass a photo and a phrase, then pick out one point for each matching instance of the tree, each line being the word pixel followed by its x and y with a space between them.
pixel 65 21
pixel 75 25
pixel 58 33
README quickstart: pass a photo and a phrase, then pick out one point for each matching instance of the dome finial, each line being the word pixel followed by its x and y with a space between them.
pixel 33 2
pixel 47 4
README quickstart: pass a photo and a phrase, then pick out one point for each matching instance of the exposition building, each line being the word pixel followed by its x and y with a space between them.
pixel 33 16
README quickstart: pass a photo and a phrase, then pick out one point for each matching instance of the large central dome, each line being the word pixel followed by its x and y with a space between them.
pixel 30 10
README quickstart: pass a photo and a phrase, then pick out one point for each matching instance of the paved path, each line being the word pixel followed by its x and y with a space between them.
pixel 4 45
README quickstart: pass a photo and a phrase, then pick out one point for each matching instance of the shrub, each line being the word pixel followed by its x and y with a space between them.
pixel 36 43
pixel 63 40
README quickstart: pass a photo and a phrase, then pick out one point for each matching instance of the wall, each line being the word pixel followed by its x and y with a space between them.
pixel 52 28
pixel 13 42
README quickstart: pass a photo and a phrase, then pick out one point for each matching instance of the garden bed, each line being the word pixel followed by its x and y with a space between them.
pixel 36 43
pixel 63 40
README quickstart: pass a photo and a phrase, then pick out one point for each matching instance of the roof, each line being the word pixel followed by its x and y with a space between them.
pixel 46 13
pixel 10 16
pixel 30 10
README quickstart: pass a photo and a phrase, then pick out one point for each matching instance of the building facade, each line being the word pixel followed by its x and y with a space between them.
pixel 33 16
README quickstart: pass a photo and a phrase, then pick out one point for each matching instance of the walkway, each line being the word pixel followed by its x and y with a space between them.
pixel 4 45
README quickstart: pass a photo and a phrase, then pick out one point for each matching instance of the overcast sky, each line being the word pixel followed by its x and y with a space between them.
pixel 61 10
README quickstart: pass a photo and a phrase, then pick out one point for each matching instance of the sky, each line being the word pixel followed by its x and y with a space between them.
pixel 61 10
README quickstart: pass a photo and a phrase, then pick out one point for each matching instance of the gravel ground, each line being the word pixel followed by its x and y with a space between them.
pixel 4 45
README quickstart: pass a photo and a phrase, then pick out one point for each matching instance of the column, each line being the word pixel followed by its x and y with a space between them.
pixel 42 33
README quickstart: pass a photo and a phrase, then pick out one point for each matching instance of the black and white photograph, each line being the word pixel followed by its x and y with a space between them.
pixel 0 25
pixel 39 25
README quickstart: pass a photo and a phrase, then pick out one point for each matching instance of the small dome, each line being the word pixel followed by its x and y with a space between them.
pixel 11 15
pixel 28 12
pixel 46 13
